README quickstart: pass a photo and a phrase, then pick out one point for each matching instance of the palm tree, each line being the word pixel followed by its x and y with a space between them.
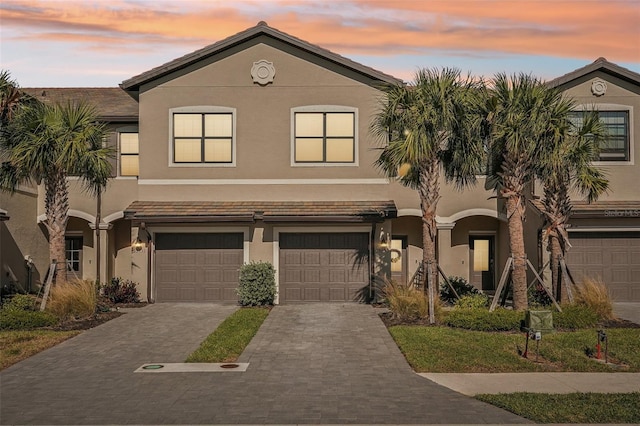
pixel 521 122
pixel 45 144
pixel 565 167
pixel 429 126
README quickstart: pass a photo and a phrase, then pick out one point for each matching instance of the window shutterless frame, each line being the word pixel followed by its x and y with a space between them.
pixel 618 147
pixel 202 136
pixel 207 139
pixel 129 149
pixel 324 135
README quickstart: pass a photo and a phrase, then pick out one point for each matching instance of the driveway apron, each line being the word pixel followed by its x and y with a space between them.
pixel 314 363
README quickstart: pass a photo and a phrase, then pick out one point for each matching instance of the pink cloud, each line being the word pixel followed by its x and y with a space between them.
pixel 560 28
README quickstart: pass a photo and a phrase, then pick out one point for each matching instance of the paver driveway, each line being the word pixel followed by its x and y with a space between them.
pixel 317 363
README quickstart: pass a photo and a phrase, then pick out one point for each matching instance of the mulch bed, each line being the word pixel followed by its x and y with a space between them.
pixel 97 319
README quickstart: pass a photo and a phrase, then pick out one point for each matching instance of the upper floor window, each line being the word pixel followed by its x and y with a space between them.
pixel 617 145
pixel 203 137
pixel 324 136
pixel 129 154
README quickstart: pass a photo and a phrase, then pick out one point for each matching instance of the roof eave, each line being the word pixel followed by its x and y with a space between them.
pixel 134 83
pixel 599 64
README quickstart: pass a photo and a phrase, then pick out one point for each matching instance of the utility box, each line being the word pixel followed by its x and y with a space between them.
pixel 539 321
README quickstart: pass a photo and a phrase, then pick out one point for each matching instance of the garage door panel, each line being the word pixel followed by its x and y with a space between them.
pixel 311 276
pixel 198 267
pixel 327 271
pixel 609 256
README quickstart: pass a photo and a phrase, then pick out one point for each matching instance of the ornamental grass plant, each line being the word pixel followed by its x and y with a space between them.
pixel 73 300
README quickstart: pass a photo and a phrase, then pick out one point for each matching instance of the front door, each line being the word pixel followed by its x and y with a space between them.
pixel 398 250
pixel 482 261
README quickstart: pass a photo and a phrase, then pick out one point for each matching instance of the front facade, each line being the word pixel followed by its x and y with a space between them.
pixel 258 148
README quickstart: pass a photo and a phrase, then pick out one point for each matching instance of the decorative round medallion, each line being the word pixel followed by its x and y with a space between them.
pixel 598 87
pixel 263 72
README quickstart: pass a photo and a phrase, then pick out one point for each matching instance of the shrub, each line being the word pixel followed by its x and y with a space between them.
pixel 574 317
pixel 257 284
pixel 472 301
pixel 538 296
pixel 121 291
pixel 482 320
pixel 20 302
pixel 18 319
pixel 407 303
pixel 18 313
pixel 74 299
pixel 460 285
pixel 595 295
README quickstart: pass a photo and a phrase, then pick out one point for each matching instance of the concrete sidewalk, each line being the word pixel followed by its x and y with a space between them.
pixel 493 383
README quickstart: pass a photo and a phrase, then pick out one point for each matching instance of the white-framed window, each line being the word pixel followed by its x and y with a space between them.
pixel 202 136
pixel 73 253
pixel 129 150
pixel 617 121
pixel 324 135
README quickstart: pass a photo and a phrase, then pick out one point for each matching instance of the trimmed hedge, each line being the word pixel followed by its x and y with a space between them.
pixel 482 320
pixel 25 320
pixel 574 317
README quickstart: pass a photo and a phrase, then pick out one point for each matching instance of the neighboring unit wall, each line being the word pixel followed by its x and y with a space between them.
pixel 22 237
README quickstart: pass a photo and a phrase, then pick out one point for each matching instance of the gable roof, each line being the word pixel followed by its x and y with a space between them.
pixel 600 64
pixel 262 29
pixel 112 103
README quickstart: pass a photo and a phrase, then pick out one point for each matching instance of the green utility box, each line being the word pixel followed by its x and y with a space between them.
pixel 541 321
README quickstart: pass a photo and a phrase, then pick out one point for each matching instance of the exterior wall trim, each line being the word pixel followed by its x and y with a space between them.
pixel 454 217
pixel 262 181
pixel 72 213
pixel 113 217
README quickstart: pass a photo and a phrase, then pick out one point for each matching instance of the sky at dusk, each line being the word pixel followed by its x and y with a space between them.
pixel 100 43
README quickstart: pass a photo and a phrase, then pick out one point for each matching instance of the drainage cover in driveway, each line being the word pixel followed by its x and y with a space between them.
pixel 192 367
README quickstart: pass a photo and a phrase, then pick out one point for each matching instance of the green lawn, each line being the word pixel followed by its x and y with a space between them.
pixel 449 350
pixel 18 345
pixel 570 408
pixel 228 341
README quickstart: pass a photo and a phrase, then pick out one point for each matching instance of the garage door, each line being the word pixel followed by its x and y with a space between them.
pixel 321 267
pixel 198 267
pixel 612 256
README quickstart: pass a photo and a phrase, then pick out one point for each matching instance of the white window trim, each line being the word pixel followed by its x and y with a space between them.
pixel 118 131
pixel 325 108
pixel 614 107
pixel 203 109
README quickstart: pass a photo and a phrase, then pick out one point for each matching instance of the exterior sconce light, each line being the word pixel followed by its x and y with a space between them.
pixel 384 239
pixel 137 246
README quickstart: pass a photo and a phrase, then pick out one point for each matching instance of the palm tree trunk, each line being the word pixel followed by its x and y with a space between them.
pixel 429 195
pixel 57 209
pixel 515 215
pixel 555 249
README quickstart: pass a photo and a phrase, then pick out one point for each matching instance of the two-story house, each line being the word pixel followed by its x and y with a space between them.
pixel 259 148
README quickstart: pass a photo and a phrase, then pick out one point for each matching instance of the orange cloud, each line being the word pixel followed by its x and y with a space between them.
pixel 561 28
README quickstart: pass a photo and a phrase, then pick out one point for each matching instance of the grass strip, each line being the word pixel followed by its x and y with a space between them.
pixel 228 341
pixel 570 408
pixel 18 345
pixel 449 350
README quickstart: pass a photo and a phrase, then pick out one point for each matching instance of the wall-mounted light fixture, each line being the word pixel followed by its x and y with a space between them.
pixel 138 245
pixel 384 239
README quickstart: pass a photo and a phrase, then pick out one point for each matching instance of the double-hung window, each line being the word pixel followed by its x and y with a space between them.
pixel 129 154
pixel 203 137
pixel 324 136
pixel 617 144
